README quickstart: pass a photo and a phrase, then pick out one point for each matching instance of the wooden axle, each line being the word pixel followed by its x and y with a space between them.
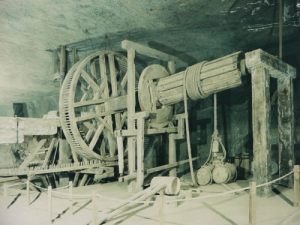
pixel 202 79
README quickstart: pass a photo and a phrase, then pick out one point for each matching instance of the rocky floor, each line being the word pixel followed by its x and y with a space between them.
pixel 220 210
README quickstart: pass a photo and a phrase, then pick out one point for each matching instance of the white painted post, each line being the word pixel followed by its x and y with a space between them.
pixel 28 190
pixel 50 203
pixel 296 185
pixel 252 205
pixel 71 195
pixel 161 207
pixel 94 200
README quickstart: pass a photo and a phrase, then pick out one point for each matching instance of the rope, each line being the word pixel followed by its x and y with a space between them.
pixel 192 79
pixel 15 184
pixel 187 129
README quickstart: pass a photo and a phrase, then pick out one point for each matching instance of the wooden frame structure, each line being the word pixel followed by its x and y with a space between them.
pixel 264 66
pixel 136 121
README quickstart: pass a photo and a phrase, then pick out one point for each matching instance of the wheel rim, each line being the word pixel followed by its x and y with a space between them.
pixel 90 108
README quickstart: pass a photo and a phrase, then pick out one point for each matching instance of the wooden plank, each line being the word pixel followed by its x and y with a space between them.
pixel 149 131
pixel 103 75
pixel 87 77
pixel 96 137
pixel 49 151
pixel 276 67
pixel 113 76
pixel 131 109
pixel 140 153
pixel 286 128
pixel 32 154
pixel 114 86
pixel 261 128
pixel 150 52
pixel 168 166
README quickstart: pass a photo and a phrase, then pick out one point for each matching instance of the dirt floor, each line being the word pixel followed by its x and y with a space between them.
pixel 220 210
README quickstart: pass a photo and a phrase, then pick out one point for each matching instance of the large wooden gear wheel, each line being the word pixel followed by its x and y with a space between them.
pixel 93 105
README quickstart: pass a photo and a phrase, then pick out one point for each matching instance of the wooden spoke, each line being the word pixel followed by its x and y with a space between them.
pixel 102 148
pixel 96 136
pixel 113 77
pixel 124 81
pixel 93 69
pixel 87 77
pixel 103 121
pixel 103 75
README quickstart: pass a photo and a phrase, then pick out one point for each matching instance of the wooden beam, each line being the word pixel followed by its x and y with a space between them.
pixel 261 128
pixel 172 154
pixel 131 109
pixel 32 154
pixel 286 127
pixel 49 151
pixel 63 61
pixel 276 67
pixel 88 78
pixel 140 153
pixel 145 50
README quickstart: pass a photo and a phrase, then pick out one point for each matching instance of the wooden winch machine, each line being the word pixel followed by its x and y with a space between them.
pixel 106 109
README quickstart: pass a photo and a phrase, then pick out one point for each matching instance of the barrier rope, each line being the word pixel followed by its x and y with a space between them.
pixel 77 196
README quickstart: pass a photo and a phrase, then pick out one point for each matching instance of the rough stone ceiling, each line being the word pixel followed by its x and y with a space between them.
pixel 191 29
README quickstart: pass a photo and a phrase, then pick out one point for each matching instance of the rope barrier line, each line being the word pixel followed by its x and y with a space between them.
pixel 167 201
pixel 185 199
pixel 278 179
pixel 16 184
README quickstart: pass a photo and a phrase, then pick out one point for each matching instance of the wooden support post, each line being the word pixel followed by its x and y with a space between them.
pixel 286 128
pixel 140 152
pixel 252 203
pixel 71 195
pixel 83 180
pixel 296 185
pixel 261 127
pixel 28 190
pixel 120 154
pixel 94 201
pixel 63 61
pixel 50 203
pixel 75 180
pixel 74 55
pixel 172 154
pixel 131 110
